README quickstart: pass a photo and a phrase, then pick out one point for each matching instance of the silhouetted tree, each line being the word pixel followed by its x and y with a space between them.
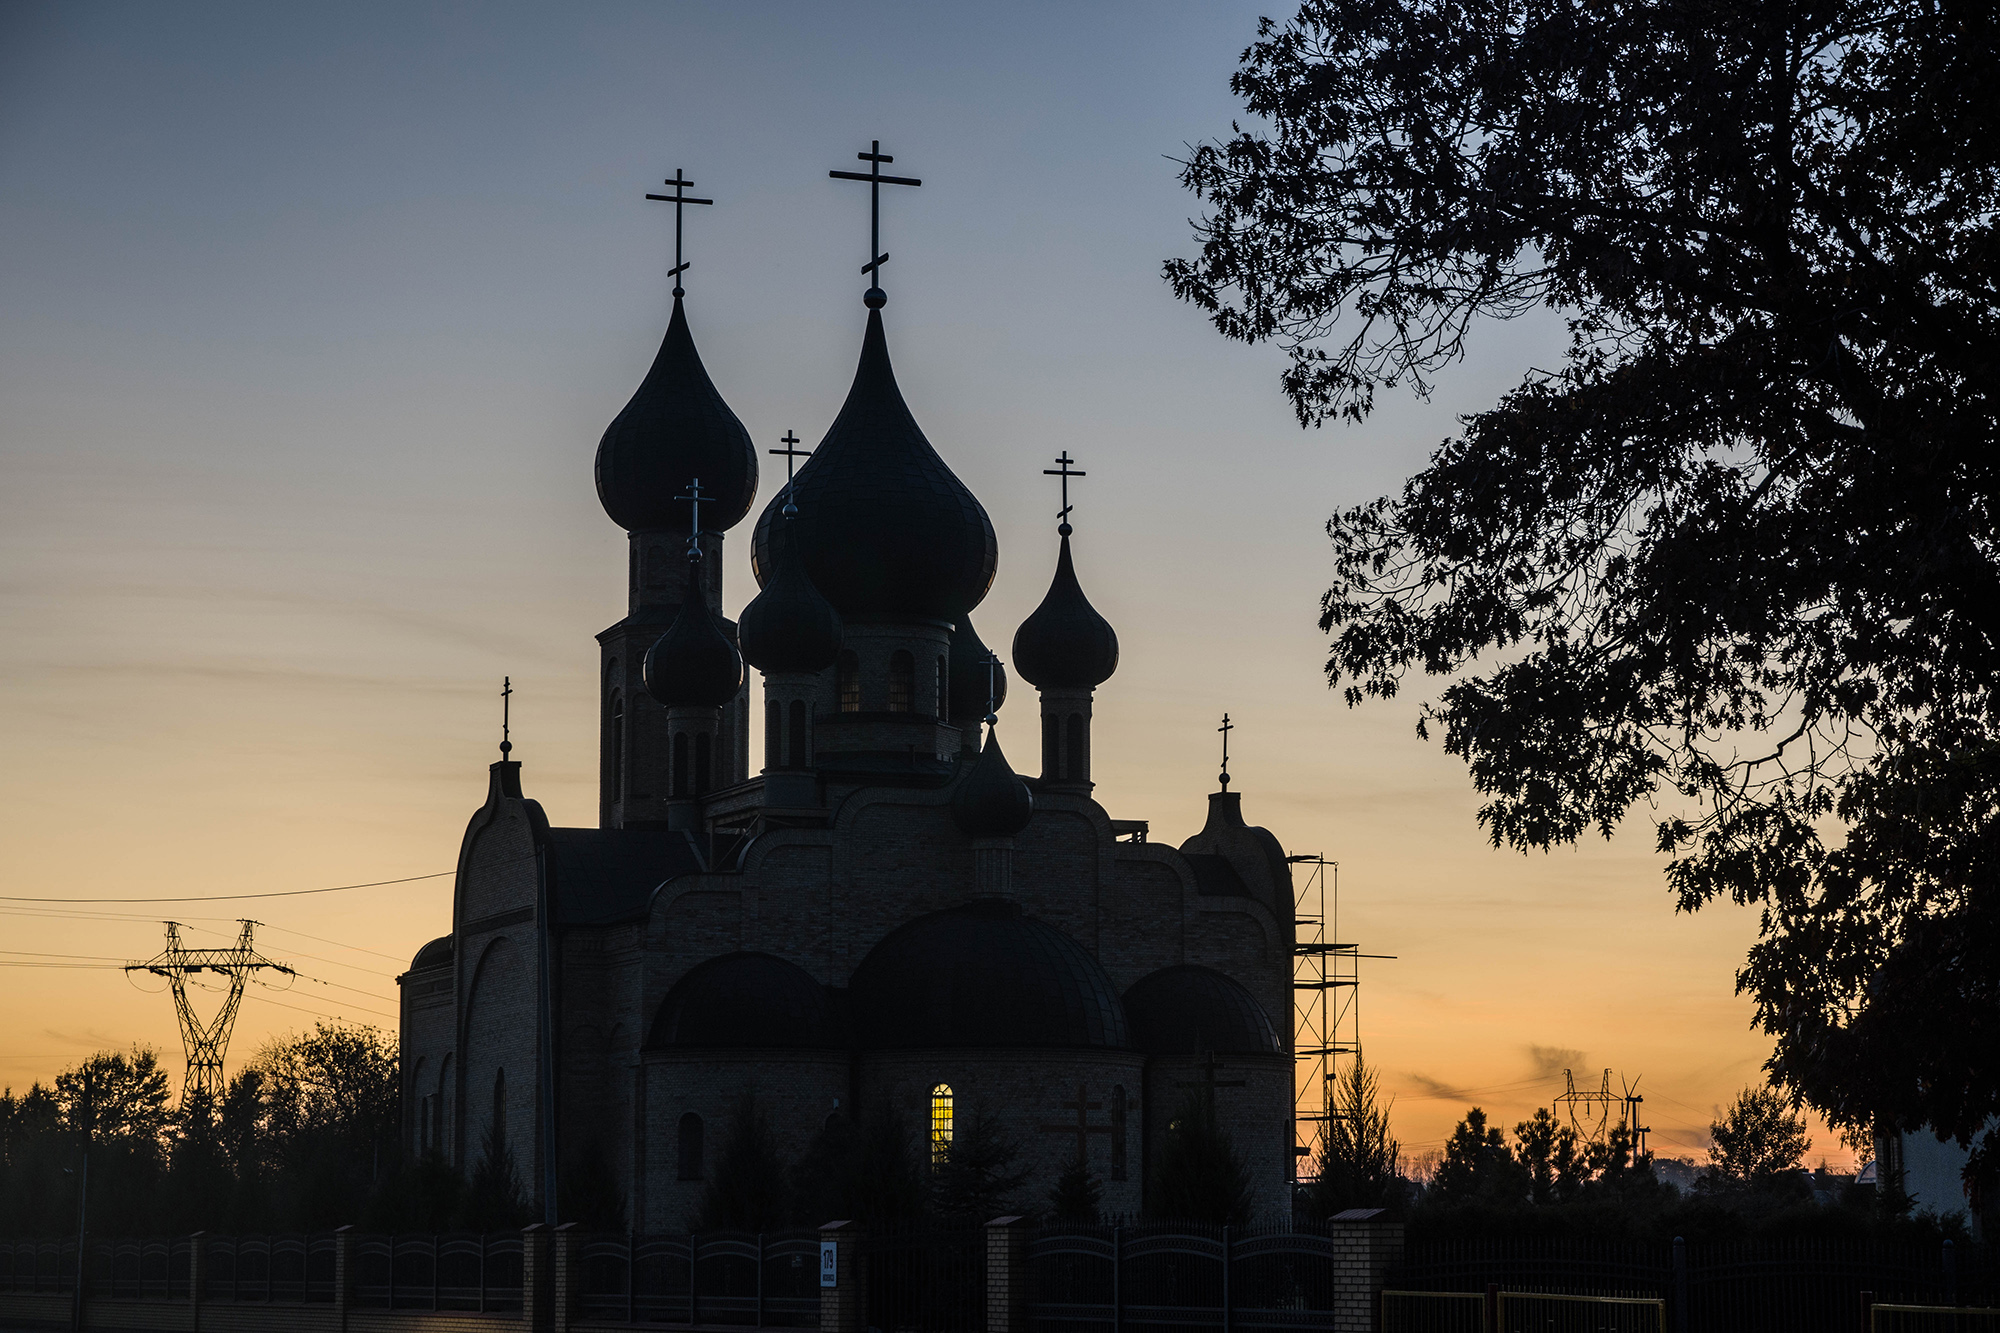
pixel 1198 1176
pixel 1077 1196
pixel 1741 544
pixel 1477 1165
pixel 1553 1157
pixel 746 1189
pixel 1357 1166
pixel 588 1191
pixel 493 1199
pixel 1757 1137
pixel 866 1172
pixel 977 1180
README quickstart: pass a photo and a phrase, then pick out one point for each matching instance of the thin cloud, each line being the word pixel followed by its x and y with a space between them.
pixel 1550 1061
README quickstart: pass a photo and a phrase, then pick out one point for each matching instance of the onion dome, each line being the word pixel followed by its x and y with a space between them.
pixel 1186 1010
pixel 992 802
pixel 694 665
pixel 675 429
pixel 746 999
pixel 886 529
pixel 789 626
pixel 1065 644
pixel 983 975
pixel 965 680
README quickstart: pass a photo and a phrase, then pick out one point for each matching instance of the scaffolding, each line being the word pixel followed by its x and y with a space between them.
pixel 1326 1015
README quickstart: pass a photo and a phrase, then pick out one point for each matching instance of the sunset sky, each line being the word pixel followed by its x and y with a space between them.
pixel 311 317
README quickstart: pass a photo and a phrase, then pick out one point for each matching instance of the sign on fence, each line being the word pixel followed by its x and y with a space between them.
pixel 829 1263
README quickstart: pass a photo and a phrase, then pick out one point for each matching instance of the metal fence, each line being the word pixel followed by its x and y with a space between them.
pixel 767 1280
pixel 1133 1279
pixel 469 1271
pixel 926 1281
pixel 278 1269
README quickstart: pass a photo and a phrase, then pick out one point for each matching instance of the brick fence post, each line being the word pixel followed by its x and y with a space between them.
pixel 1006 1275
pixel 1362 1254
pixel 197 1243
pixel 343 1276
pixel 843 1307
pixel 537 1276
pixel 568 1281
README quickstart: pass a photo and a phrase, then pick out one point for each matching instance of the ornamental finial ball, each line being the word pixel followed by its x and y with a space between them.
pixel 1064 530
pixel 875 298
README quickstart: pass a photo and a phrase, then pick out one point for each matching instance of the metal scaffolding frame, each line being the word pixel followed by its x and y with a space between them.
pixel 1326 1013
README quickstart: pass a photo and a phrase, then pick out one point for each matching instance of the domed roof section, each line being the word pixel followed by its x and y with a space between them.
pixel 693 665
pixel 983 975
pixel 746 999
pixel 885 528
pixel 1186 1010
pixel 789 626
pixel 435 954
pixel 675 429
pixel 1065 644
pixel 965 679
pixel 991 801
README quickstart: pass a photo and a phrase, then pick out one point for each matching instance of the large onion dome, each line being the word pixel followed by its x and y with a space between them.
pixel 1065 644
pixel 789 626
pixel 746 999
pixel 992 801
pixel 675 429
pixel 885 528
pixel 965 679
pixel 983 975
pixel 1188 1009
pixel 693 665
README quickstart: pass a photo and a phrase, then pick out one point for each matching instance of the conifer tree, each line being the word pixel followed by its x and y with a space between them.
pixel 1078 1195
pixel 1357 1166
pixel 1199 1177
pixel 746 1190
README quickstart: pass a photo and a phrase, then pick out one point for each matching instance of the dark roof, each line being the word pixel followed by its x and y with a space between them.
pixel 789 626
pixel 983 975
pixel 1065 644
pixel 991 801
pixel 885 528
pixel 694 664
pixel 598 876
pixel 1214 875
pixel 967 679
pixel 676 428
pixel 435 954
pixel 746 999
pixel 1188 1009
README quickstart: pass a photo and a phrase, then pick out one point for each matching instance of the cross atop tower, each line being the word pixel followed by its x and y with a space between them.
pixel 1064 471
pixel 992 687
pixel 694 497
pixel 506 715
pixel 875 298
pixel 1226 727
pixel 679 197
pixel 791 454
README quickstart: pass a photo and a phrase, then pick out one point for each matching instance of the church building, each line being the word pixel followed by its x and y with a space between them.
pixel 880 913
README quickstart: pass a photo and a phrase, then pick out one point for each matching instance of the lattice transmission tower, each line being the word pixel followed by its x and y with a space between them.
pixel 1326 1010
pixel 206 1043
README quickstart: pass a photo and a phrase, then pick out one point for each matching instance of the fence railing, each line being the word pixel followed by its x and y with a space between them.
pixel 470 1271
pixel 1167 1276
pixel 768 1280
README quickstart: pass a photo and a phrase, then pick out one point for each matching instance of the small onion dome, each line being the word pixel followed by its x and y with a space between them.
pixel 746 999
pixel 1065 644
pixel 965 680
pixel 983 975
pixel 694 665
pixel 991 801
pixel 1186 1010
pixel 885 529
pixel 789 626
pixel 675 429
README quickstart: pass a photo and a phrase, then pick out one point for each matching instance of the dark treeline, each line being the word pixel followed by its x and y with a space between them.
pixel 306 1138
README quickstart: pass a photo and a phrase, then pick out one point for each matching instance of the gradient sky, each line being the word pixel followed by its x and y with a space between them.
pixel 311 317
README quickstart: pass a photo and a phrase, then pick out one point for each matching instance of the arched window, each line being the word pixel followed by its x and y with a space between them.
pixel 687 1160
pixel 774 734
pixel 902 682
pixel 704 763
pixel 444 1096
pixel 944 690
pixel 680 785
pixel 1118 1113
pixel 849 681
pixel 940 1124
pixel 801 756
pixel 1073 768
pixel 614 726
pixel 1052 745
pixel 499 1108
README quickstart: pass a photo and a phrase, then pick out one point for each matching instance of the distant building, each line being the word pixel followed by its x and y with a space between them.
pixel 879 914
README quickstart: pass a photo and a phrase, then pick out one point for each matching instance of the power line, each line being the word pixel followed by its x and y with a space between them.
pixel 235 897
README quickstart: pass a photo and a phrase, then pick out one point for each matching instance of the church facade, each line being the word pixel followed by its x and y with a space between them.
pixel 881 914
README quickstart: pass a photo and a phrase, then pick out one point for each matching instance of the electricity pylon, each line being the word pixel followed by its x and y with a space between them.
pixel 1589 1112
pixel 205 1043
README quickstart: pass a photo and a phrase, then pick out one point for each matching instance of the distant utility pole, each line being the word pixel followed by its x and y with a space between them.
pixel 1589 1112
pixel 206 1043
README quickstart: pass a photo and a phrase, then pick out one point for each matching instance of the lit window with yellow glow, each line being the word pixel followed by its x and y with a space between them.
pixel 940 1124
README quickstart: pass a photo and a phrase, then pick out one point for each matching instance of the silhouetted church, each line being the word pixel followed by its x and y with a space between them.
pixel 882 913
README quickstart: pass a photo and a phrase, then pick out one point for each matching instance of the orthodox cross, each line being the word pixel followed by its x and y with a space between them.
pixel 992 687
pixel 506 715
pixel 792 453
pixel 1064 471
pixel 1083 1129
pixel 875 157
pixel 1208 1082
pixel 694 498
pixel 1226 727
pixel 679 197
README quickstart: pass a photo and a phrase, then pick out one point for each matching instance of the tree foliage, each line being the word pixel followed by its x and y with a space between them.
pixel 746 1189
pixel 1357 1165
pixel 1757 1138
pixel 1478 1165
pixel 1198 1176
pixel 1077 1197
pixel 1556 1163
pixel 1737 553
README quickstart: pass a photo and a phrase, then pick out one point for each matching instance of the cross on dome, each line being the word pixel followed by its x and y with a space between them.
pixel 1064 471
pixel 694 497
pixel 875 298
pixel 678 198
pixel 1226 727
pixel 791 454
